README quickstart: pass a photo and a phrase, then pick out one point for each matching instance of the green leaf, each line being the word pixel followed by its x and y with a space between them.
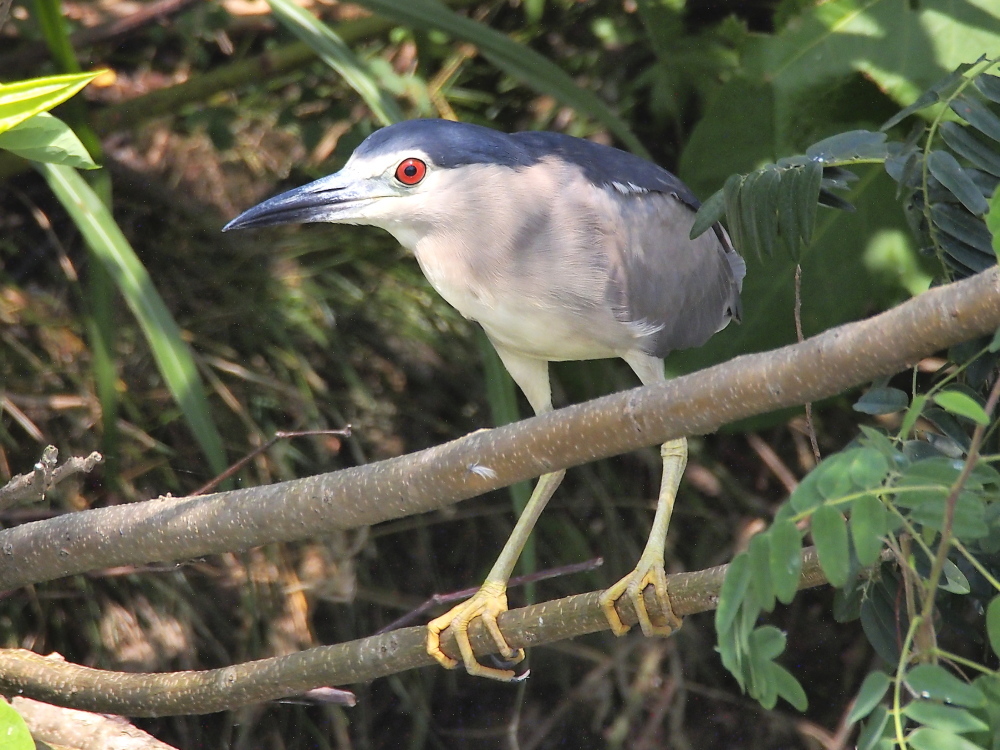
pixel 872 730
pixel 829 532
pixel 946 718
pixel 24 99
pixel 871 693
pixel 46 138
pixel 950 173
pixel 962 405
pixel 935 682
pixel 760 570
pixel 734 589
pixel 854 145
pixel 789 688
pixel 807 192
pixel 335 53
pixel 976 114
pixel 935 739
pixel 954 579
pixel 989 86
pixel 517 60
pixel 869 523
pixel 912 415
pixel 993 226
pixel 963 226
pixel 966 143
pixel 711 211
pixel 172 354
pixel 867 467
pixel 786 559
pixel 993 624
pixel 882 401
pixel 14 734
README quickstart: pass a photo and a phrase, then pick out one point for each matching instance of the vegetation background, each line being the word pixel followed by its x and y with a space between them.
pixel 209 107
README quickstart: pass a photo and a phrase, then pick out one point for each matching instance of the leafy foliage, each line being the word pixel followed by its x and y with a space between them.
pixel 932 502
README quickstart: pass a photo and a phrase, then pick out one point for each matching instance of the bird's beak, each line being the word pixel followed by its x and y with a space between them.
pixel 336 198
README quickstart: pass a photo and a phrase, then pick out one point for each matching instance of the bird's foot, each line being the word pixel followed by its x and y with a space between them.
pixel 489 603
pixel 632 586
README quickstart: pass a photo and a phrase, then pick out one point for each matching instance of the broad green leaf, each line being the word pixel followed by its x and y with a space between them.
pixel 977 115
pixel 786 559
pixel 954 579
pixel 517 60
pixel 946 718
pixel 869 523
pixel 789 688
pixel 962 405
pixel 871 693
pixel 935 739
pixel 733 591
pixel 829 532
pixel 172 354
pixel 882 401
pixel 45 138
pixel 760 570
pixel 850 146
pixel 882 620
pixel 24 99
pixel 767 642
pixel 966 143
pixel 935 682
pixel 14 734
pixel 711 211
pixel 872 730
pixel 993 624
pixel 335 53
pixel 961 225
pixel 867 468
pixel 950 173
pixel 993 225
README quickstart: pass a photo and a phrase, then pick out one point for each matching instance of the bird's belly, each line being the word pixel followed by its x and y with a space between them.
pixel 539 331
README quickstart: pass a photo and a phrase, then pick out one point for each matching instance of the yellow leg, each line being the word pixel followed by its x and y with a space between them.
pixel 491 599
pixel 649 570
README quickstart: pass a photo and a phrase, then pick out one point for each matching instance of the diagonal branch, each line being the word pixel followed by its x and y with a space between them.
pixel 169 528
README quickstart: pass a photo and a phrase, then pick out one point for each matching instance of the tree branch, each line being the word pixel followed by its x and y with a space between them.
pixel 169 528
pixel 176 693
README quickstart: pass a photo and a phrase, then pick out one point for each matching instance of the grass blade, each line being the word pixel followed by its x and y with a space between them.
pixel 173 357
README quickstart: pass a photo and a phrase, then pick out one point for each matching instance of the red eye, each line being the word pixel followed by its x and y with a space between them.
pixel 411 171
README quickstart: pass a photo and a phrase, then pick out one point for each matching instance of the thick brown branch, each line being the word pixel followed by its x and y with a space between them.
pixel 58 682
pixel 170 528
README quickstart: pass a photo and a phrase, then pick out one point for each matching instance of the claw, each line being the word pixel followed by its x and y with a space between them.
pixel 489 603
pixel 632 586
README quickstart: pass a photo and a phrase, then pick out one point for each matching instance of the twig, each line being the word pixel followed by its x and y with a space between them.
pixel 32 487
pixel 280 435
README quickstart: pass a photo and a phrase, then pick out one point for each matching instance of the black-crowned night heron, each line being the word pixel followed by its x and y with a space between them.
pixel 562 249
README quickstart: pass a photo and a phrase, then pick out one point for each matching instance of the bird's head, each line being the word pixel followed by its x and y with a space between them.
pixel 402 178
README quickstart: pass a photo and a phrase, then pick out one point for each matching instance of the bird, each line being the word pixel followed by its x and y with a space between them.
pixel 561 248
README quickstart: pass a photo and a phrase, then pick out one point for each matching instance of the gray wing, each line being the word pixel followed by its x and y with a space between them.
pixel 673 291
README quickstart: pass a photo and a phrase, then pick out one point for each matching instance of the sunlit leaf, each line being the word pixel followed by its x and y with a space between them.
pixel 962 405
pixel 760 569
pixel 45 138
pixel 789 688
pixel 14 734
pixel 24 99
